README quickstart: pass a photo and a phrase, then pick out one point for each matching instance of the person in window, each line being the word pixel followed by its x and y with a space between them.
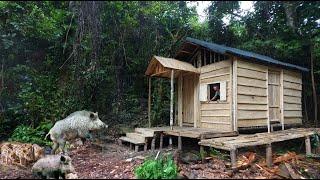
pixel 216 91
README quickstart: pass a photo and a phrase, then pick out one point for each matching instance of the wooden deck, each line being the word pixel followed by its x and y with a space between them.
pixel 233 143
pixel 190 132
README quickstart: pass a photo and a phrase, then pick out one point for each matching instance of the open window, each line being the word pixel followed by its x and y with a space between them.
pixel 216 91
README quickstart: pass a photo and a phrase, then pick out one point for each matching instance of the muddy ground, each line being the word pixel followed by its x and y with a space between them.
pixel 114 161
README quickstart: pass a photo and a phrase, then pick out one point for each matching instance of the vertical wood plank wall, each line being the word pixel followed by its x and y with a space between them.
pixel 216 115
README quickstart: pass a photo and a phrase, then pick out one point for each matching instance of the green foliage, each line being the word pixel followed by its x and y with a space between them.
pixel 26 134
pixel 162 168
pixel 315 140
pixel 216 153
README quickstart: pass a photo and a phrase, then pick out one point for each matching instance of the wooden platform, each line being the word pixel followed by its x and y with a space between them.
pixel 233 143
pixel 142 136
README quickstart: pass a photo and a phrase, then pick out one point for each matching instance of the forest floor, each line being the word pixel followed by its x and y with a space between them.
pixel 118 162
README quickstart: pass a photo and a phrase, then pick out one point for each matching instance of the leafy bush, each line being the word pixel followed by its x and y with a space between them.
pixel 26 134
pixel 162 168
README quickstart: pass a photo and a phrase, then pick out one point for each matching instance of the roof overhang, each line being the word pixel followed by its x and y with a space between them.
pixel 161 67
pixel 190 45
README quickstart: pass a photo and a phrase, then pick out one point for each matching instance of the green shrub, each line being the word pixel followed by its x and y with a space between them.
pixel 26 134
pixel 162 168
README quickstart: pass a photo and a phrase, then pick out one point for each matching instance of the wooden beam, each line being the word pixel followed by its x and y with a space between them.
pixel 267 92
pixel 234 94
pixel 149 103
pixel 171 99
pixel 180 97
pixel 281 100
pixel 159 73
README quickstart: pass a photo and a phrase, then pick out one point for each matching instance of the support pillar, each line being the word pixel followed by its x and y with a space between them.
pixel 171 99
pixel 269 155
pixel 179 143
pixel 161 141
pixel 308 145
pixel 153 143
pixel 233 157
pixel 149 102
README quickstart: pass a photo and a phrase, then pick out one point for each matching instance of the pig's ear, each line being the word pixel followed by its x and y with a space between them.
pixel 91 116
pixel 62 159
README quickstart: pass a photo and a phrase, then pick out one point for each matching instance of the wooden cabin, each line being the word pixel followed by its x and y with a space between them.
pixel 255 90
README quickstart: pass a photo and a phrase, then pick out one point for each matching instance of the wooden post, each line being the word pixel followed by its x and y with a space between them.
pixel 153 143
pixel 136 148
pixel 268 115
pixel 308 145
pixel 161 141
pixel 269 155
pixel 130 146
pixel 171 99
pixel 149 103
pixel 170 142
pixel 201 152
pixel 281 100
pixel 233 157
pixel 145 147
pixel 179 143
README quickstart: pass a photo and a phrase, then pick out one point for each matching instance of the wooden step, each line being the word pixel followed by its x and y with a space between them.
pixel 146 132
pixel 130 140
pixel 137 136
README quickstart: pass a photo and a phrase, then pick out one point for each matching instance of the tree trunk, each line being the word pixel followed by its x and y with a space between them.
pixel 314 92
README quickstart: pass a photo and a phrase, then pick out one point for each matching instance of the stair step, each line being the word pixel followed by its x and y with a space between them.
pixel 137 136
pixel 130 140
pixel 145 132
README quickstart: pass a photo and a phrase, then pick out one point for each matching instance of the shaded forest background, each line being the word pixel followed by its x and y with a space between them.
pixel 60 57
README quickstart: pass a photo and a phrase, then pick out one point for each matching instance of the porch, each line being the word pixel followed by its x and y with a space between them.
pixel 147 137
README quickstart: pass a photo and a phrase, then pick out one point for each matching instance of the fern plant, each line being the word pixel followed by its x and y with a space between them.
pixel 162 168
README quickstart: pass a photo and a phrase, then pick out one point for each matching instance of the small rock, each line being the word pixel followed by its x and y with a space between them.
pixel 129 160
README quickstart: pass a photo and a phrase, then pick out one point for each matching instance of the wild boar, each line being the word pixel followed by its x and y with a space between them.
pixel 76 125
pixel 53 166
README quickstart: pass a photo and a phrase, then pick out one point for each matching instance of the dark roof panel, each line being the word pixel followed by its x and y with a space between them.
pixel 246 54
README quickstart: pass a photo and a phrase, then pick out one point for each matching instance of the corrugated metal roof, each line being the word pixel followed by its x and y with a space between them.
pixel 246 54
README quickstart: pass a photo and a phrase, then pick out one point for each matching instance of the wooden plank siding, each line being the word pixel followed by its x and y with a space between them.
pixel 252 101
pixel 292 91
pixel 217 115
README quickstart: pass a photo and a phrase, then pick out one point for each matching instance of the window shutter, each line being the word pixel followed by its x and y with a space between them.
pixel 203 92
pixel 223 91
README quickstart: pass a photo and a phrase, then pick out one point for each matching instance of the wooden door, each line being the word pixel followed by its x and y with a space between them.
pixel 274 95
pixel 187 100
